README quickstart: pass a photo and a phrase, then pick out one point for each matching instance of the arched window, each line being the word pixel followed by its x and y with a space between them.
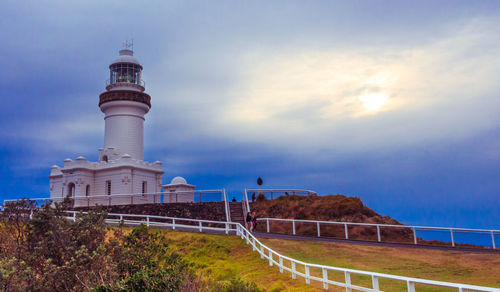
pixel 105 158
pixel 87 190
pixel 71 190
pixel 144 187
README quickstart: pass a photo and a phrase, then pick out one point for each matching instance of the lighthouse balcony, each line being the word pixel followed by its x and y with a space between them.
pixel 115 95
pixel 139 86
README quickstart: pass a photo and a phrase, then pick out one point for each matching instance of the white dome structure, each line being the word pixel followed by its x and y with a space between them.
pixel 126 56
pixel 178 180
pixel 178 191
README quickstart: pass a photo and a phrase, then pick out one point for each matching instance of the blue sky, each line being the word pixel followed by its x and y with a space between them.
pixel 396 102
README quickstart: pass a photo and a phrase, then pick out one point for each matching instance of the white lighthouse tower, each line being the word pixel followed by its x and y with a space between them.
pixel 121 170
pixel 124 104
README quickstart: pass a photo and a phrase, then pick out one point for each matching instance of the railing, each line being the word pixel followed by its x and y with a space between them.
pixel 277 259
pixel 274 193
pixel 163 221
pixel 295 267
pixel 246 201
pixel 138 198
pixel 226 207
pixel 414 229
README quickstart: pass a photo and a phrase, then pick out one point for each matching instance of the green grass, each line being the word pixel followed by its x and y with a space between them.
pixel 222 257
pixel 451 266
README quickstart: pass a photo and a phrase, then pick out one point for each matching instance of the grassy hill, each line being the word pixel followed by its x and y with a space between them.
pixel 331 207
pixel 327 208
pixel 223 257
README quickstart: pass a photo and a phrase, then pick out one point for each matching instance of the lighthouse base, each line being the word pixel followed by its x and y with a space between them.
pixel 118 181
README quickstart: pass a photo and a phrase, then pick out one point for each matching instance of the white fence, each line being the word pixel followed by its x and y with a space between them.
pixel 273 193
pixel 284 263
pixel 414 229
pixel 141 198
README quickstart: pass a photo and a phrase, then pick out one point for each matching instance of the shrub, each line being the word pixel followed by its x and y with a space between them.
pixel 261 197
pixel 238 285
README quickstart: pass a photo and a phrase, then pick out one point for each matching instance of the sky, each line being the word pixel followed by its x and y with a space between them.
pixel 395 102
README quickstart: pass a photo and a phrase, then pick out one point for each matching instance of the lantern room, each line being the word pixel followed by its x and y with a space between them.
pixel 125 72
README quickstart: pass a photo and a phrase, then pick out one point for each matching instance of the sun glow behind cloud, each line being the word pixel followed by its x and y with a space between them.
pixel 365 96
pixel 374 101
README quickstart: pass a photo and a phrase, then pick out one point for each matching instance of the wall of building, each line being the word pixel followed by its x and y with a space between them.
pixel 124 181
pixel 124 127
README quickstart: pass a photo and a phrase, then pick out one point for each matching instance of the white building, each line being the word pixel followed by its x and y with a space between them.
pixel 178 191
pixel 121 169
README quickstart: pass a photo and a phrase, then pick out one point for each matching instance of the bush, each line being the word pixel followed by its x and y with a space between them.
pixel 238 285
pixel 261 197
pixel 51 253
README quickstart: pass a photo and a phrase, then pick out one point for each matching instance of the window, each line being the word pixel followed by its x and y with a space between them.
pixel 71 190
pixel 105 158
pixel 144 187
pixel 87 190
pixel 124 72
pixel 108 187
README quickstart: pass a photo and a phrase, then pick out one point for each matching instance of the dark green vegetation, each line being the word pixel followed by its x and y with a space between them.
pixel 51 253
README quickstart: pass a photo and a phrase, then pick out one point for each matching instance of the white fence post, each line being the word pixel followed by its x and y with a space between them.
pixel 346 231
pixel 308 280
pixel 74 216
pixel 267 222
pixel 281 264
pixel 201 229
pixel 414 235
pixel 227 228
pixel 493 239
pixel 317 226
pixel 325 279
pixel 173 224
pixel 294 276
pixel 147 221
pixel 411 286
pixel 293 226
pixel 452 238
pixel 261 251
pixel 270 258
pixel 347 281
pixel 253 244
pixel 375 284
pixel 378 233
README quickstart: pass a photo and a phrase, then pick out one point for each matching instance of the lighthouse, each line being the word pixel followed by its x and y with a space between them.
pixel 120 176
pixel 124 104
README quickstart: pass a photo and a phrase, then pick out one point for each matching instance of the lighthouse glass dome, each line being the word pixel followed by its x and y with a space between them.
pixel 125 73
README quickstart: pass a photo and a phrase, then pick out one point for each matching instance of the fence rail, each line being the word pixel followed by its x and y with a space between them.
pixel 278 259
pixel 140 198
pixel 157 197
pixel 414 229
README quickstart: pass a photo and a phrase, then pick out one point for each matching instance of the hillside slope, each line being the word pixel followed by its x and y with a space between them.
pixel 327 208
pixel 222 257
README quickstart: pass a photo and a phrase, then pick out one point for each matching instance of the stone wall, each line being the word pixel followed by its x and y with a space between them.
pixel 206 211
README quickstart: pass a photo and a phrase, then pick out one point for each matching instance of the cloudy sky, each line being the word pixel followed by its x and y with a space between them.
pixel 396 102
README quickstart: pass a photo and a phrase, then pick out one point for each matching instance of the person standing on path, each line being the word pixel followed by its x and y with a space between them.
pixel 248 221
pixel 254 221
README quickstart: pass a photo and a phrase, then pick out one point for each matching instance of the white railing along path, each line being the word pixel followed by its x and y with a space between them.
pixel 278 259
pixel 414 229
